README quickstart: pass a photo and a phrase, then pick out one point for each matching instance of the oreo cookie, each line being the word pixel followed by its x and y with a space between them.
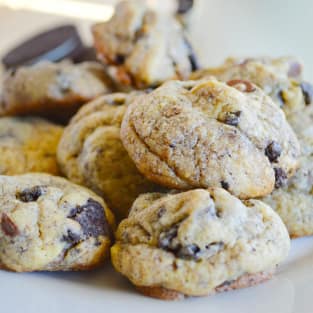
pixel 53 45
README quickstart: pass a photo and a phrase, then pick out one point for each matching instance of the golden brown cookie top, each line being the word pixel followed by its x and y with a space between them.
pixel 48 223
pixel 52 89
pixel 28 144
pixel 208 133
pixel 91 153
pixel 280 78
pixel 194 241
pixel 143 48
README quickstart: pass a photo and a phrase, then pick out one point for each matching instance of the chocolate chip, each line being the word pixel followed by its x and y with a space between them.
pixel 307 90
pixel 92 219
pixel 120 59
pixel 71 238
pixel 241 85
pixel 280 97
pixel 225 184
pixel 273 151
pixel 225 283
pixel 280 177
pixel 192 57
pixel 184 6
pixel 188 252
pixel 193 62
pixel 168 242
pixel 8 227
pixel 167 237
pixel 31 194
pixel 232 118
pixel 161 212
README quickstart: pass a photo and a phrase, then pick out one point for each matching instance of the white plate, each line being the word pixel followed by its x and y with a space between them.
pixel 290 291
pixel 221 28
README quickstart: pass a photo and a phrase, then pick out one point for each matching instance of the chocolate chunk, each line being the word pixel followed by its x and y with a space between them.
pixel 192 57
pixel 280 97
pixel 161 212
pixel 307 90
pixel 168 242
pixel 280 177
pixel 241 85
pixel 119 59
pixel 225 184
pixel 71 238
pixel 193 62
pixel 273 151
pixel 232 118
pixel 184 6
pixel 31 194
pixel 91 218
pixel 8 227
pixel 225 283
pixel 167 237
pixel 188 252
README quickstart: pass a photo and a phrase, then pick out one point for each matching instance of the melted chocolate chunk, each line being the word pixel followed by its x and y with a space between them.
pixel 8 227
pixel 280 177
pixel 232 118
pixel 31 194
pixel 91 218
pixel 184 6
pixel 307 90
pixel 273 151
pixel 71 238
pixel 225 185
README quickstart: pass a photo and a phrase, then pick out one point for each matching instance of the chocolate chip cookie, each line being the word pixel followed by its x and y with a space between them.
pixel 91 153
pixel 211 134
pixel 197 243
pixel 143 48
pixel 52 90
pixel 28 144
pixel 294 202
pixel 279 78
pixel 50 224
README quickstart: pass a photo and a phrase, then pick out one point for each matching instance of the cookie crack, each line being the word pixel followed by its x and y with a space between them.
pixel 155 154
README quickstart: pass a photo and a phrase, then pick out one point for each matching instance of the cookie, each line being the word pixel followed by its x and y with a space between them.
pixel 52 90
pixel 28 144
pixel 198 242
pixel 50 224
pixel 143 48
pixel 91 153
pixel 280 78
pixel 294 202
pixel 210 134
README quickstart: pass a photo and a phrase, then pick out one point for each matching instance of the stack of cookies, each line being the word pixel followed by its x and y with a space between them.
pixel 208 172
